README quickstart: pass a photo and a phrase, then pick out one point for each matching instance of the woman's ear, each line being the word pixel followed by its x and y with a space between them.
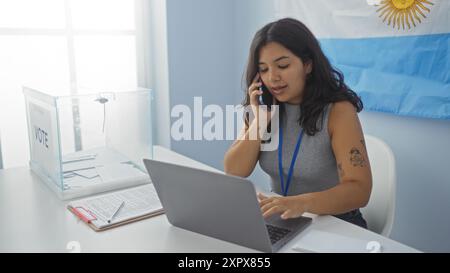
pixel 308 67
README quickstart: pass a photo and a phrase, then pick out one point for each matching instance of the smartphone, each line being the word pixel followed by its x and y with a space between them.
pixel 266 98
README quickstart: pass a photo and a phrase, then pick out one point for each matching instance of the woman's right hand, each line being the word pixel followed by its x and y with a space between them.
pixel 254 93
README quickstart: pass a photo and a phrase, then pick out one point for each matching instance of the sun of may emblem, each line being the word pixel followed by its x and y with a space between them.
pixel 403 12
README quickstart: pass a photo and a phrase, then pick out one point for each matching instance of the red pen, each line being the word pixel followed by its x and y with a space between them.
pixel 86 216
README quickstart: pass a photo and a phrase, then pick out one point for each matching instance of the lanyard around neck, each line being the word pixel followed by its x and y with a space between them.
pixel 280 161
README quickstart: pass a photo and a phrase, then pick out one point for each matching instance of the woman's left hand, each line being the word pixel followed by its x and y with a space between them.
pixel 288 207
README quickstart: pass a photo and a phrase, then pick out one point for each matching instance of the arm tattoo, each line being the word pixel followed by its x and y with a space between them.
pixel 356 158
pixel 340 170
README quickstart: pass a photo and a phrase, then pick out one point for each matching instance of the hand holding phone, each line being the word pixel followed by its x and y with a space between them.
pixel 266 97
pixel 260 95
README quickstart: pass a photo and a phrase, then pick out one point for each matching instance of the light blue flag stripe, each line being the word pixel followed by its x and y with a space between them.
pixel 407 75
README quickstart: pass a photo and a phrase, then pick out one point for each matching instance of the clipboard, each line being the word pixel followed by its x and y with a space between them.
pixel 88 221
pixel 91 212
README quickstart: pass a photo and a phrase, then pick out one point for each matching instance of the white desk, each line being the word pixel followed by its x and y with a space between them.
pixel 33 219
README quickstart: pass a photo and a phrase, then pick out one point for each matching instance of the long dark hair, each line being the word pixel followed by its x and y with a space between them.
pixel 323 85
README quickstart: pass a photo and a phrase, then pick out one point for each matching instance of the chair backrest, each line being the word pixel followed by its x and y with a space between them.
pixel 380 210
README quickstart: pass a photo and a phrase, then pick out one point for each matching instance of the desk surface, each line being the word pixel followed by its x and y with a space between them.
pixel 33 219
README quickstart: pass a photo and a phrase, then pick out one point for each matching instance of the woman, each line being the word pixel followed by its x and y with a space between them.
pixel 330 172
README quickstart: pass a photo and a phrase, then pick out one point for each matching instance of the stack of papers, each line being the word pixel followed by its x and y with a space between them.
pixel 95 166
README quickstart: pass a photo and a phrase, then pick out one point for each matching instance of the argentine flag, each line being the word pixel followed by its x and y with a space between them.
pixel 394 53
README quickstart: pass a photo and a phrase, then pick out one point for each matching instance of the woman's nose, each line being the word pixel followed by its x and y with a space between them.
pixel 274 76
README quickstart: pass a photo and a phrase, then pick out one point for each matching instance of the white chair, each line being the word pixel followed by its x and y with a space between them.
pixel 379 212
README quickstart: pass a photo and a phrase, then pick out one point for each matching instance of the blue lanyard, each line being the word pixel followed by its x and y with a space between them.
pixel 280 161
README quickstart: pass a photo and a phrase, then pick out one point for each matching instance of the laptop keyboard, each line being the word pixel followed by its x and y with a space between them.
pixel 276 233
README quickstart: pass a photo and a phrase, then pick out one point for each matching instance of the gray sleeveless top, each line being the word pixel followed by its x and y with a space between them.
pixel 315 168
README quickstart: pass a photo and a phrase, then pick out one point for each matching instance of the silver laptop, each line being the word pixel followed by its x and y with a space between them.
pixel 220 206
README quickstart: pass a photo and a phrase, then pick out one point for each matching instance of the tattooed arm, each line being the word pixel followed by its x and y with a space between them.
pixel 353 190
pixel 353 165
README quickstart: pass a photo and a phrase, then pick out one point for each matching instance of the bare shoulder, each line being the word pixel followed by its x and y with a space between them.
pixel 342 108
pixel 342 114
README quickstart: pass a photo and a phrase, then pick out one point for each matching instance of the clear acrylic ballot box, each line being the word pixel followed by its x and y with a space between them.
pixel 86 144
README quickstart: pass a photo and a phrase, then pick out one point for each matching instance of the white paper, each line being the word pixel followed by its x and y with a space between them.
pixel 88 174
pixel 326 242
pixel 69 159
pixel 77 182
pixel 43 138
pixel 138 201
pixel 79 165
